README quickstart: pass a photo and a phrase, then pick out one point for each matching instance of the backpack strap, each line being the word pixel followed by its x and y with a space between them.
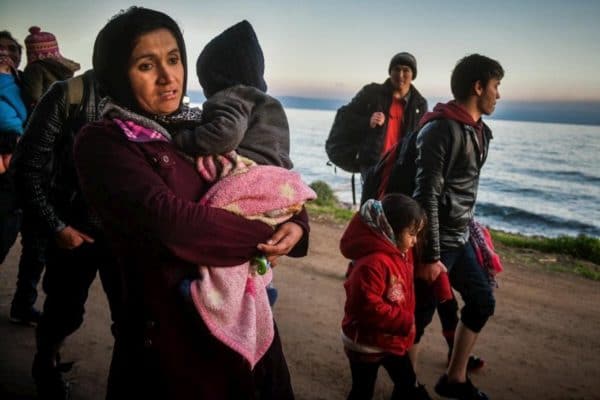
pixel 75 89
pixel 457 130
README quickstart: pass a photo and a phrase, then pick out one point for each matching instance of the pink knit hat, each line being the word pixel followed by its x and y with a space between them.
pixel 42 45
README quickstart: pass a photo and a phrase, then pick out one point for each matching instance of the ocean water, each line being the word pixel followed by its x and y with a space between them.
pixel 539 178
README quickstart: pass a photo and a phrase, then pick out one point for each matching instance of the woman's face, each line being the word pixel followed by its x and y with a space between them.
pixel 156 72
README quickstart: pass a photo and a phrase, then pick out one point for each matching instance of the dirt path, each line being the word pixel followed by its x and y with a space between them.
pixel 543 342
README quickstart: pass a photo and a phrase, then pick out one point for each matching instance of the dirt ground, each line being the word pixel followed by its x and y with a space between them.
pixel 543 342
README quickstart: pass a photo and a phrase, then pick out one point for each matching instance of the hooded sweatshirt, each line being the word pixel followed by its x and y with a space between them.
pixel 380 301
pixel 12 110
pixel 453 110
pixel 238 114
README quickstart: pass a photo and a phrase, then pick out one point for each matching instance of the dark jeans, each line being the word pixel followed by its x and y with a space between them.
pixel 448 314
pixel 34 241
pixel 9 229
pixel 69 275
pixel 10 216
pixel 470 280
pixel 364 374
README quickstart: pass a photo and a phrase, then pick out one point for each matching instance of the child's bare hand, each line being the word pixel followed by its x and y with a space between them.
pixel 430 272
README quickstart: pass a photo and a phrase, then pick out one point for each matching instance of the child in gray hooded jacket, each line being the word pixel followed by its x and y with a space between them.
pixel 238 114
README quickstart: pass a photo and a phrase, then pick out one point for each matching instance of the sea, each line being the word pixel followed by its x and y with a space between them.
pixel 540 179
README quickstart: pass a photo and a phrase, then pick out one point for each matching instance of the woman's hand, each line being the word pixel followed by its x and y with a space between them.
pixel 282 242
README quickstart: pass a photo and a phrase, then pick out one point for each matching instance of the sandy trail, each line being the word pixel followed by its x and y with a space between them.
pixel 543 342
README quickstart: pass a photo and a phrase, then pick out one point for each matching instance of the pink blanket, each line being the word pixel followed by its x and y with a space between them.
pixel 232 301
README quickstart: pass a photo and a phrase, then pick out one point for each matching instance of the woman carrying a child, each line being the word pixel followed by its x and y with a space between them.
pixel 147 194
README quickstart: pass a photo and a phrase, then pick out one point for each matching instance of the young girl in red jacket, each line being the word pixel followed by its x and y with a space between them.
pixel 378 326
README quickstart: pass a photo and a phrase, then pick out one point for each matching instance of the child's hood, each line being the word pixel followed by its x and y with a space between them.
pixel 234 57
pixel 360 240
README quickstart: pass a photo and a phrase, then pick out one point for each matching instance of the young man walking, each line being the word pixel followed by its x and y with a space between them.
pixel 452 147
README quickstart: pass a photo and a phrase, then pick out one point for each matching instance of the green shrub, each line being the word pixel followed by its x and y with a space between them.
pixel 325 195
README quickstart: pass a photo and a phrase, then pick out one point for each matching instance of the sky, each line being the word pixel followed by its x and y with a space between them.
pixel 550 49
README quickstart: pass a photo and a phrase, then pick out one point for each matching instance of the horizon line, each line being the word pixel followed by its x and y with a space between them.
pixel 581 112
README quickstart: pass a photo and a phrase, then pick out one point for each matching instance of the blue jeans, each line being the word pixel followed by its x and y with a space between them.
pixel 470 280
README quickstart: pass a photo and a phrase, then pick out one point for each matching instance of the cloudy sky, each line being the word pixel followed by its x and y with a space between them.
pixel 326 48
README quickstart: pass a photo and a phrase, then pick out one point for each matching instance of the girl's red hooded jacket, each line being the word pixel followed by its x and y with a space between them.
pixel 380 299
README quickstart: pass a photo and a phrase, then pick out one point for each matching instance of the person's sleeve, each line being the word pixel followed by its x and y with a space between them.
pixel 224 123
pixel 10 121
pixel 8 142
pixel 432 146
pixel 124 189
pixel 301 248
pixel 368 284
pixel 34 156
pixel 267 141
pixel 357 113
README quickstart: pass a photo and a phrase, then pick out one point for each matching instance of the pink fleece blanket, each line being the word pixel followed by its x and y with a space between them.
pixel 232 301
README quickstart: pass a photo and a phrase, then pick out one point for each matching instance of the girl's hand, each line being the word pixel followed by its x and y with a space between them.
pixel 430 272
pixel 282 242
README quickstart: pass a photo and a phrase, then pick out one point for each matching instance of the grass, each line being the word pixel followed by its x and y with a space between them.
pixel 583 247
pixel 579 255
pixel 327 206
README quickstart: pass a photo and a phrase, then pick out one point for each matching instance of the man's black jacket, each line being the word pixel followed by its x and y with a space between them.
pixel 448 165
pixel 376 97
pixel 43 162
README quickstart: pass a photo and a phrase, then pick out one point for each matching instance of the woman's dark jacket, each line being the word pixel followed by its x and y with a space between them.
pixel 448 165
pixel 147 195
pixel 376 97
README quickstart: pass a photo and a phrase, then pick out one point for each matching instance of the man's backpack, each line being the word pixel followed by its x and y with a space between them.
pixel 395 172
pixel 343 144
pixel 397 169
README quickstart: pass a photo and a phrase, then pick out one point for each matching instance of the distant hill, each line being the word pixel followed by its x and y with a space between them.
pixel 575 112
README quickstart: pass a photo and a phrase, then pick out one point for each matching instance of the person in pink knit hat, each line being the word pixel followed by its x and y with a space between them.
pixel 45 65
